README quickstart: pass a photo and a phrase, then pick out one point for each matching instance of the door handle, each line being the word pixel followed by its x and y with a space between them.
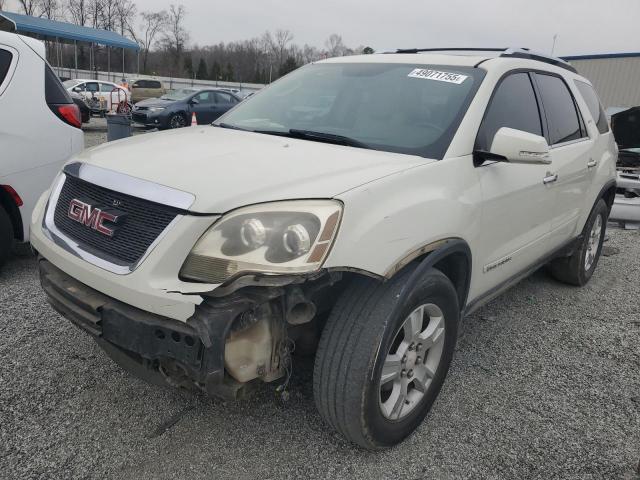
pixel 592 163
pixel 550 178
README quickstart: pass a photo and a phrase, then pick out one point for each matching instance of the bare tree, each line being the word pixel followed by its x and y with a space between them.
pixel 153 25
pixel 49 9
pixel 126 11
pixel 175 36
pixel 78 11
pixel 29 7
pixel 335 46
pixel 282 39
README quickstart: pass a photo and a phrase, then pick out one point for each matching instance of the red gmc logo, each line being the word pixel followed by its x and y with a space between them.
pixel 93 217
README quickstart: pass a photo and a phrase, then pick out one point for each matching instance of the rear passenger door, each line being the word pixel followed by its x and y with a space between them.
pixel 224 102
pixel 517 205
pixel 570 155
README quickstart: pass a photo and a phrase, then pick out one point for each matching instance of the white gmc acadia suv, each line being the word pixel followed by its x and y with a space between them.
pixel 359 208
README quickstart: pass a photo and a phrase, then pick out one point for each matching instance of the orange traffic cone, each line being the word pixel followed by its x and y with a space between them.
pixel 194 120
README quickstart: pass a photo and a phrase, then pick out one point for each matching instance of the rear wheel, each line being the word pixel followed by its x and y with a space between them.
pixel 380 365
pixel 579 267
pixel 6 236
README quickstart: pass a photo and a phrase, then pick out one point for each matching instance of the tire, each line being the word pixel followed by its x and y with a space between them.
pixel 6 236
pixel 360 336
pixel 177 120
pixel 579 267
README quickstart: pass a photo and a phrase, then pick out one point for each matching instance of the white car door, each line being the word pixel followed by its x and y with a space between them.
pixel 517 204
pixel 570 152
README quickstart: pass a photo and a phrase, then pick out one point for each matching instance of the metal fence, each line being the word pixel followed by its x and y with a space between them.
pixel 168 82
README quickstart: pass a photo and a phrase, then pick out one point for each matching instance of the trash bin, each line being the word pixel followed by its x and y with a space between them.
pixel 118 126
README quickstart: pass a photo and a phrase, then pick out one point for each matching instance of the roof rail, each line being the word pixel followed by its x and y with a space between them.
pixel 524 53
pixel 540 57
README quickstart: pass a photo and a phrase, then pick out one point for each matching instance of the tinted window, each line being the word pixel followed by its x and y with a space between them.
pixel 594 105
pixel 91 87
pixel 153 84
pixel 560 110
pixel 54 91
pixel 224 98
pixel 139 84
pixel 514 106
pixel 5 63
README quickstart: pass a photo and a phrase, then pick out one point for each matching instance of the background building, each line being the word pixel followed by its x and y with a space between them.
pixel 616 76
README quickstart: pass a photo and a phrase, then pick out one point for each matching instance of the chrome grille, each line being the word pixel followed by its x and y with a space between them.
pixel 145 221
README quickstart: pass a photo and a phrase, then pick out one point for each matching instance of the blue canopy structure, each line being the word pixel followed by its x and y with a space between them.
pixel 62 30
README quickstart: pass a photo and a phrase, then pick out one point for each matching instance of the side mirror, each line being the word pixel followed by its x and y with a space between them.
pixel 194 101
pixel 516 146
pixel 77 89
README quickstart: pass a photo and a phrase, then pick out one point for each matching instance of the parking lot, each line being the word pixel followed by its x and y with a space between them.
pixel 545 384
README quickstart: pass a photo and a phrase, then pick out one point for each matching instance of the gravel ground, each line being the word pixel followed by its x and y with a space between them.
pixel 545 384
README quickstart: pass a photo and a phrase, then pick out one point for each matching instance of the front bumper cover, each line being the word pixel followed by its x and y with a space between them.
pixel 160 350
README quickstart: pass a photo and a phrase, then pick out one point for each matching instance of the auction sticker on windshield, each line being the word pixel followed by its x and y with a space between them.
pixel 437 75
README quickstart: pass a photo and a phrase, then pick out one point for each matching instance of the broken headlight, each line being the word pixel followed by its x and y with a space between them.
pixel 271 238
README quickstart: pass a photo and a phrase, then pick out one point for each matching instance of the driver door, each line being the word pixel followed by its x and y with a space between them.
pixel 518 203
pixel 203 107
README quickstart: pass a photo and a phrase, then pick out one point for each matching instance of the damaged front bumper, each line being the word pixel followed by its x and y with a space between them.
pixel 187 354
pixel 626 207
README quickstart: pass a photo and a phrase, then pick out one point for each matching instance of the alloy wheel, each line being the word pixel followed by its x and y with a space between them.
pixel 412 361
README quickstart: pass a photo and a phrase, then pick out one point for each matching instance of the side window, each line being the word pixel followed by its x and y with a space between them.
pixel 224 98
pixel 153 84
pixel 594 105
pixel 5 62
pixel 560 109
pixel 205 98
pixel 138 84
pixel 91 86
pixel 106 87
pixel 514 106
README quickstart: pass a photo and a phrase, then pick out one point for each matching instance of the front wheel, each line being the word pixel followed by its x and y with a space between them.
pixel 177 120
pixel 380 365
pixel 579 267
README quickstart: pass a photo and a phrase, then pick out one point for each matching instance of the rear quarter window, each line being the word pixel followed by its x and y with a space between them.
pixel 54 91
pixel 5 62
pixel 152 84
pixel 562 114
pixel 593 103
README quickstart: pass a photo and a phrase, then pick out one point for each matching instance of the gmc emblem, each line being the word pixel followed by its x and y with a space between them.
pixel 94 217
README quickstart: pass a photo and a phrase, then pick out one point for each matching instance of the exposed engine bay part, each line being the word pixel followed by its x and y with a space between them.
pixel 227 346
pixel 626 130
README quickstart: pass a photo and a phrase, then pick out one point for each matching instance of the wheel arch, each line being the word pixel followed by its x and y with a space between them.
pixel 8 204
pixel 451 256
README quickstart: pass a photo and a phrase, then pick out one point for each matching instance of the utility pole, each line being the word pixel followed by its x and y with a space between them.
pixel 553 47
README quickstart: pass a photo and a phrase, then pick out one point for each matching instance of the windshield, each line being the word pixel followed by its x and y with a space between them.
pixel 180 94
pixel 402 108
pixel 70 83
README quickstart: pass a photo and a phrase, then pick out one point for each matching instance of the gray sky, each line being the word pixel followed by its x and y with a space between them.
pixel 583 26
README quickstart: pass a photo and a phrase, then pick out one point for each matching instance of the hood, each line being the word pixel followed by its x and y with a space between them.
pixel 154 102
pixel 226 169
pixel 626 128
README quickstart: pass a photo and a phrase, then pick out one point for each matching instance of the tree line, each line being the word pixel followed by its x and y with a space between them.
pixel 166 48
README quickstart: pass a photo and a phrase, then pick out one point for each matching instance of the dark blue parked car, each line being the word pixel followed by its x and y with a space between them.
pixel 174 109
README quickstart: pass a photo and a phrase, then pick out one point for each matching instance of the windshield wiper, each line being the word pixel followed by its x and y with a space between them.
pixel 327 137
pixel 232 127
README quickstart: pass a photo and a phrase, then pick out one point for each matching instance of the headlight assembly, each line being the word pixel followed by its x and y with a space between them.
pixel 271 238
